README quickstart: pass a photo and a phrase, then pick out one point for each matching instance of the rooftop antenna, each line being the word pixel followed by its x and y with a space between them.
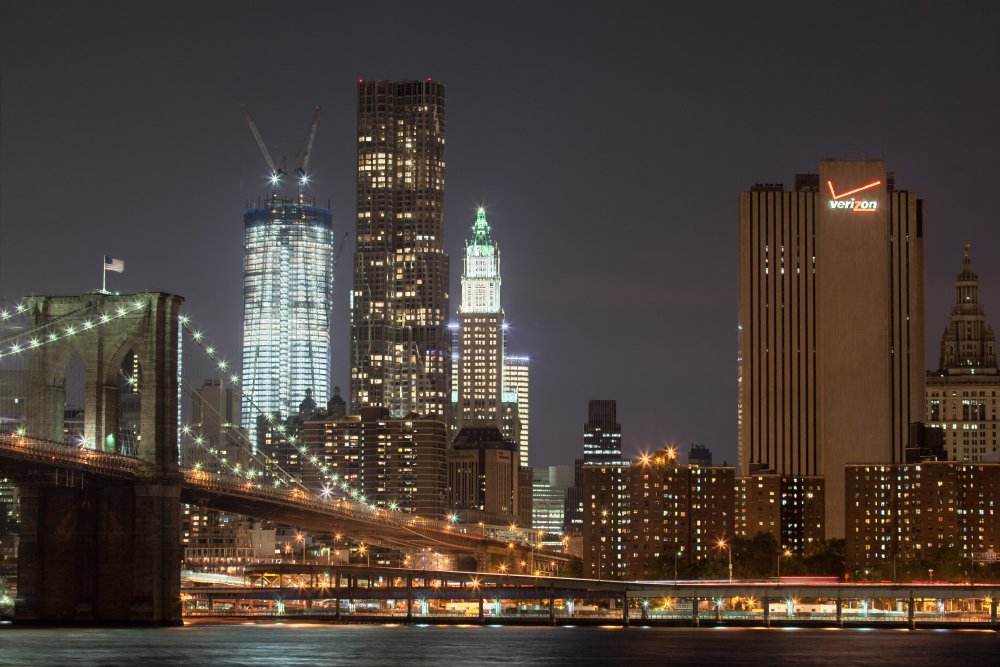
pixel 302 167
pixel 276 172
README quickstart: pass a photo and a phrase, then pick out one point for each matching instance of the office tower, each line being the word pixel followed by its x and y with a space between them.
pixel 287 274
pixel 700 455
pixel 480 331
pixel 215 442
pixel 573 520
pixel 483 474
pixel 400 345
pixel 962 393
pixel 602 434
pixel 548 508
pixel 831 324
pixel 515 387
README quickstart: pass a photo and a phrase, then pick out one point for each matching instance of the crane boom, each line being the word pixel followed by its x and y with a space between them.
pixel 309 146
pixel 260 142
pixel 336 256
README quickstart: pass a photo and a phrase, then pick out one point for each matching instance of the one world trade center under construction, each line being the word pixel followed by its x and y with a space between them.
pixel 287 275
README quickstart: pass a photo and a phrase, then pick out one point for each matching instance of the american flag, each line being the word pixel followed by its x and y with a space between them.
pixel 116 265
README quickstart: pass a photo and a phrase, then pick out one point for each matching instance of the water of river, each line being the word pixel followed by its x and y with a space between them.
pixel 289 645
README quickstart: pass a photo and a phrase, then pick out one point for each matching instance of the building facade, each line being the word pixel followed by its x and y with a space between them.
pixel 910 512
pixel 400 344
pixel 394 464
pixel 548 501
pixel 790 508
pixel 962 394
pixel 287 275
pixel 515 388
pixel 639 517
pixel 215 442
pixel 480 331
pixel 602 434
pixel 483 472
pixel 831 325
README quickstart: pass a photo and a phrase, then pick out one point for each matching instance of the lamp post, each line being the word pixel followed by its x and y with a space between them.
pixel 676 556
pixel 364 552
pixel 787 553
pixel 299 538
pixel 723 545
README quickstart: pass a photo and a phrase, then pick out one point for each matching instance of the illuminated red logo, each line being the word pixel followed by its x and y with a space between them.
pixel 853 204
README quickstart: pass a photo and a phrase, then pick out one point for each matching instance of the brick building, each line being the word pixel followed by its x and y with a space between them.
pixel 911 511
pixel 634 514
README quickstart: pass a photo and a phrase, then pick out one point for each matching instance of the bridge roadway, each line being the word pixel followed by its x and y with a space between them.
pixel 40 461
pixel 387 594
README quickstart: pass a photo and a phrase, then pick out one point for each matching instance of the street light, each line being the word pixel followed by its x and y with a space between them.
pixel 723 545
pixel 787 553
pixel 299 538
pixel 676 556
pixel 364 552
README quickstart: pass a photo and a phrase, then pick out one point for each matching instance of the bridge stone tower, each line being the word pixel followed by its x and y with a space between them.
pixel 103 552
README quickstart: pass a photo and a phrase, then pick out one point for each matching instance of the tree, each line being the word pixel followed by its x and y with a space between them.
pixel 572 569
pixel 826 558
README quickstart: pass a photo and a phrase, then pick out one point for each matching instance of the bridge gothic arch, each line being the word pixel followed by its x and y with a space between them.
pixel 148 329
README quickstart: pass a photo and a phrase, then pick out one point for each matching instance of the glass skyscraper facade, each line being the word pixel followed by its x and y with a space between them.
pixel 287 274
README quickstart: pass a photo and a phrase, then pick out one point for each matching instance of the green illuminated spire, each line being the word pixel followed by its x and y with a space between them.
pixel 481 234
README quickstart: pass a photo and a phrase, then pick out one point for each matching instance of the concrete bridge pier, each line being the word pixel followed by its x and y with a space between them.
pixel 911 615
pixel 993 613
pixel 625 609
pixel 695 621
pixel 840 613
pixel 767 612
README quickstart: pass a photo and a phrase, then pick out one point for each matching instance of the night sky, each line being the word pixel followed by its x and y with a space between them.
pixel 608 143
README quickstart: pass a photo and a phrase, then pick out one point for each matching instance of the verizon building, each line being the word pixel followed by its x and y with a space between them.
pixel 831 282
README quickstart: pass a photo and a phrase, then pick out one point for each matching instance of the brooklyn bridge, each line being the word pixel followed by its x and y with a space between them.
pixel 101 518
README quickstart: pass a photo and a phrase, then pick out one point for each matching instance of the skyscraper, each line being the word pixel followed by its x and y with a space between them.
pixel 287 272
pixel 831 325
pixel 962 394
pixel 400 344
pixel 216 443
pixel 480 331
pixel 602 434
pixel 515 387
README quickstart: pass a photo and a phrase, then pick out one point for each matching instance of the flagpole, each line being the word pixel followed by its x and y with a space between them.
pixel 104 276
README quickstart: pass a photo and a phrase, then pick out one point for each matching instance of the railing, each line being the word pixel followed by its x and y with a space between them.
pixel 41 451
pixel 351 509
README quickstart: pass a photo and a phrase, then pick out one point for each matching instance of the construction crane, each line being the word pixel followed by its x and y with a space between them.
pixel 301 167
pixel 276 172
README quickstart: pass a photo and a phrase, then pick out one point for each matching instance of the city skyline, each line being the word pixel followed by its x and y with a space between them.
pixel 579 267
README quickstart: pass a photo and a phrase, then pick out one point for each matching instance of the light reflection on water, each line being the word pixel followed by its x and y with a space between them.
pixel 302 644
